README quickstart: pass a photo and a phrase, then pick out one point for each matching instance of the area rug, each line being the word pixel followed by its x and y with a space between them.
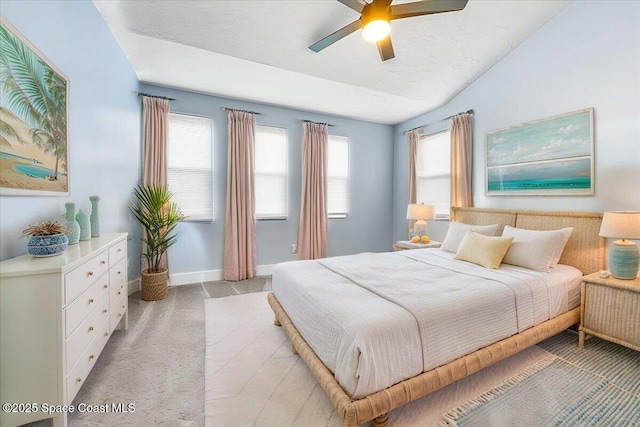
pixel 252 378
pixel 595 386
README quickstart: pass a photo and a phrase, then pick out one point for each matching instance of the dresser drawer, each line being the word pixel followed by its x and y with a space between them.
pixel 118 280
pixel 118 311
pixel 117 252
pixel 79 309
pixel 80 371
pixel 87 331
pixel 79 279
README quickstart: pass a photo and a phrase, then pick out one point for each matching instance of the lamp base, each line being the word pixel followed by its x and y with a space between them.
pixel 420 228
pixel 624 260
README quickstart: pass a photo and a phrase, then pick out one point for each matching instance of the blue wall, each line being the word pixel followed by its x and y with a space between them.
pixel 198 255
pixel 104 119
pixel 586 56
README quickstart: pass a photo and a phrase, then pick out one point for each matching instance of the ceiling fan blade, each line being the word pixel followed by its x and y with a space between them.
pixel 356 5
pixel 426 7
pixel 386 49
pixel 334 37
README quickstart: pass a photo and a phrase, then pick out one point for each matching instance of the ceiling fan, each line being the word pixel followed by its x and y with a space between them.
pixel 375 18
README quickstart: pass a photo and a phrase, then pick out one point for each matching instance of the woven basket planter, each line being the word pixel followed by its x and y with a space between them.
pixel 154 285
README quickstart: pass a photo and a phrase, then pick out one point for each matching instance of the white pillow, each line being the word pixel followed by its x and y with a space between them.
pixel 535 249
pixel 486 251
pixel 457 231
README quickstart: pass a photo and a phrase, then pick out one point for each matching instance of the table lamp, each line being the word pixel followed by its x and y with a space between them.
pixel 624 257
pixel 421 213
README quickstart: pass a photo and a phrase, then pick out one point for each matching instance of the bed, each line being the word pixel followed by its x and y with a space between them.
pixel 401 346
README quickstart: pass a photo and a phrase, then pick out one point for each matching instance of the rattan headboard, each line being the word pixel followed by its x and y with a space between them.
pixel 585 248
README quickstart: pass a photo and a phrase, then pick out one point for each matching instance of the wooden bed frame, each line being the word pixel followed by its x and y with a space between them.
pixel 584 250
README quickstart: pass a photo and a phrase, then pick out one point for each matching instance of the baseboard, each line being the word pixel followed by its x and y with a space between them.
pixel 178 279
pixel 133 286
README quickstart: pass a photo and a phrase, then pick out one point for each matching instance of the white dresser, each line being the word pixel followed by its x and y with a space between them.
pixel 56 315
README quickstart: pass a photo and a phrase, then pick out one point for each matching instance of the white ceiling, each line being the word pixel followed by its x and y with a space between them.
pixel 257 50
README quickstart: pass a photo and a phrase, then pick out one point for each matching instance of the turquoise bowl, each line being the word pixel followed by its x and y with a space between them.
pixel 44 246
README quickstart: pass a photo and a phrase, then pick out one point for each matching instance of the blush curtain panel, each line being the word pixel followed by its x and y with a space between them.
pixel 412 137
pixel 155 128
pixel 240 224
pixel 461 156
pixel 312 235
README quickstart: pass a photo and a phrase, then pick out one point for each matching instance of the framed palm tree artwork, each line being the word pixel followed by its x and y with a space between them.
pixel 34 146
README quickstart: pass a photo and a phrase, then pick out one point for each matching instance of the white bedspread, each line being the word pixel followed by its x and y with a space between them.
pixel 376 319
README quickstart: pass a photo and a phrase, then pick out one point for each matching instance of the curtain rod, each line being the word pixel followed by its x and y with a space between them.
pixel 318 123
pixel 446 118
pixel 243 111
pixel 154 96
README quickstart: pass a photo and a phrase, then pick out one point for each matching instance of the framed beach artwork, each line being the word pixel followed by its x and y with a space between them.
pixel 34 147
pixel 551 156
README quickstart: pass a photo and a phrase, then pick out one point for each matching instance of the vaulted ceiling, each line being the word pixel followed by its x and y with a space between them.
pixel 257 50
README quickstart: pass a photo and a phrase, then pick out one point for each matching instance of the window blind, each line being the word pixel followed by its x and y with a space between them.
pixel 271 172
pixel 338 176
pixel 434 172
pixel 190 165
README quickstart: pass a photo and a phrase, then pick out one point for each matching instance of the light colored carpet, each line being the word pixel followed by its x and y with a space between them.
pixel 253 378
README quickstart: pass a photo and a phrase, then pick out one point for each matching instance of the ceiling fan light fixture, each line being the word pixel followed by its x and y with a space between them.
pixel 374 31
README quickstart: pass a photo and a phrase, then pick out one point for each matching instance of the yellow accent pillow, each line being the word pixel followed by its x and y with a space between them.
pixel 483 250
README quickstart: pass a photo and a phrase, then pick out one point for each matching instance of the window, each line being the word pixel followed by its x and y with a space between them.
pixel 338 176
pixel 190 165
pixel 271 172
pixel 434 172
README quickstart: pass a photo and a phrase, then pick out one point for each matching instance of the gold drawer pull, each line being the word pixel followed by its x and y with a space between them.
pixel 104 311
pixel 90 300
pixel 90 328
pixel 78 380
pixel 91 356
pixel 103 262
pixel 119 314
pixel 90 273
pixel 123 306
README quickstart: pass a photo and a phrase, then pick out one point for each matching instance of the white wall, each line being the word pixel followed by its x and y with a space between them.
pixel 586 56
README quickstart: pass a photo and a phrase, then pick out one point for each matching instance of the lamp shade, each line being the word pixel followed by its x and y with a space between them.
pixel 621 225
pixel 420 211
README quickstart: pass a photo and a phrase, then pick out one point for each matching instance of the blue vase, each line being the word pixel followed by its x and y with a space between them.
pixel 85 228
pixel 43 246
pixel 71 223
pixel 624 259
pixel 95 219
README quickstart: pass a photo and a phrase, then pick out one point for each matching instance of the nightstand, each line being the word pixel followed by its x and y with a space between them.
pixel 610 309
pixel 405 244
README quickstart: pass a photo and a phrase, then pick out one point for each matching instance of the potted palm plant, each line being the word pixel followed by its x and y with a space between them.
pixel 159 216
